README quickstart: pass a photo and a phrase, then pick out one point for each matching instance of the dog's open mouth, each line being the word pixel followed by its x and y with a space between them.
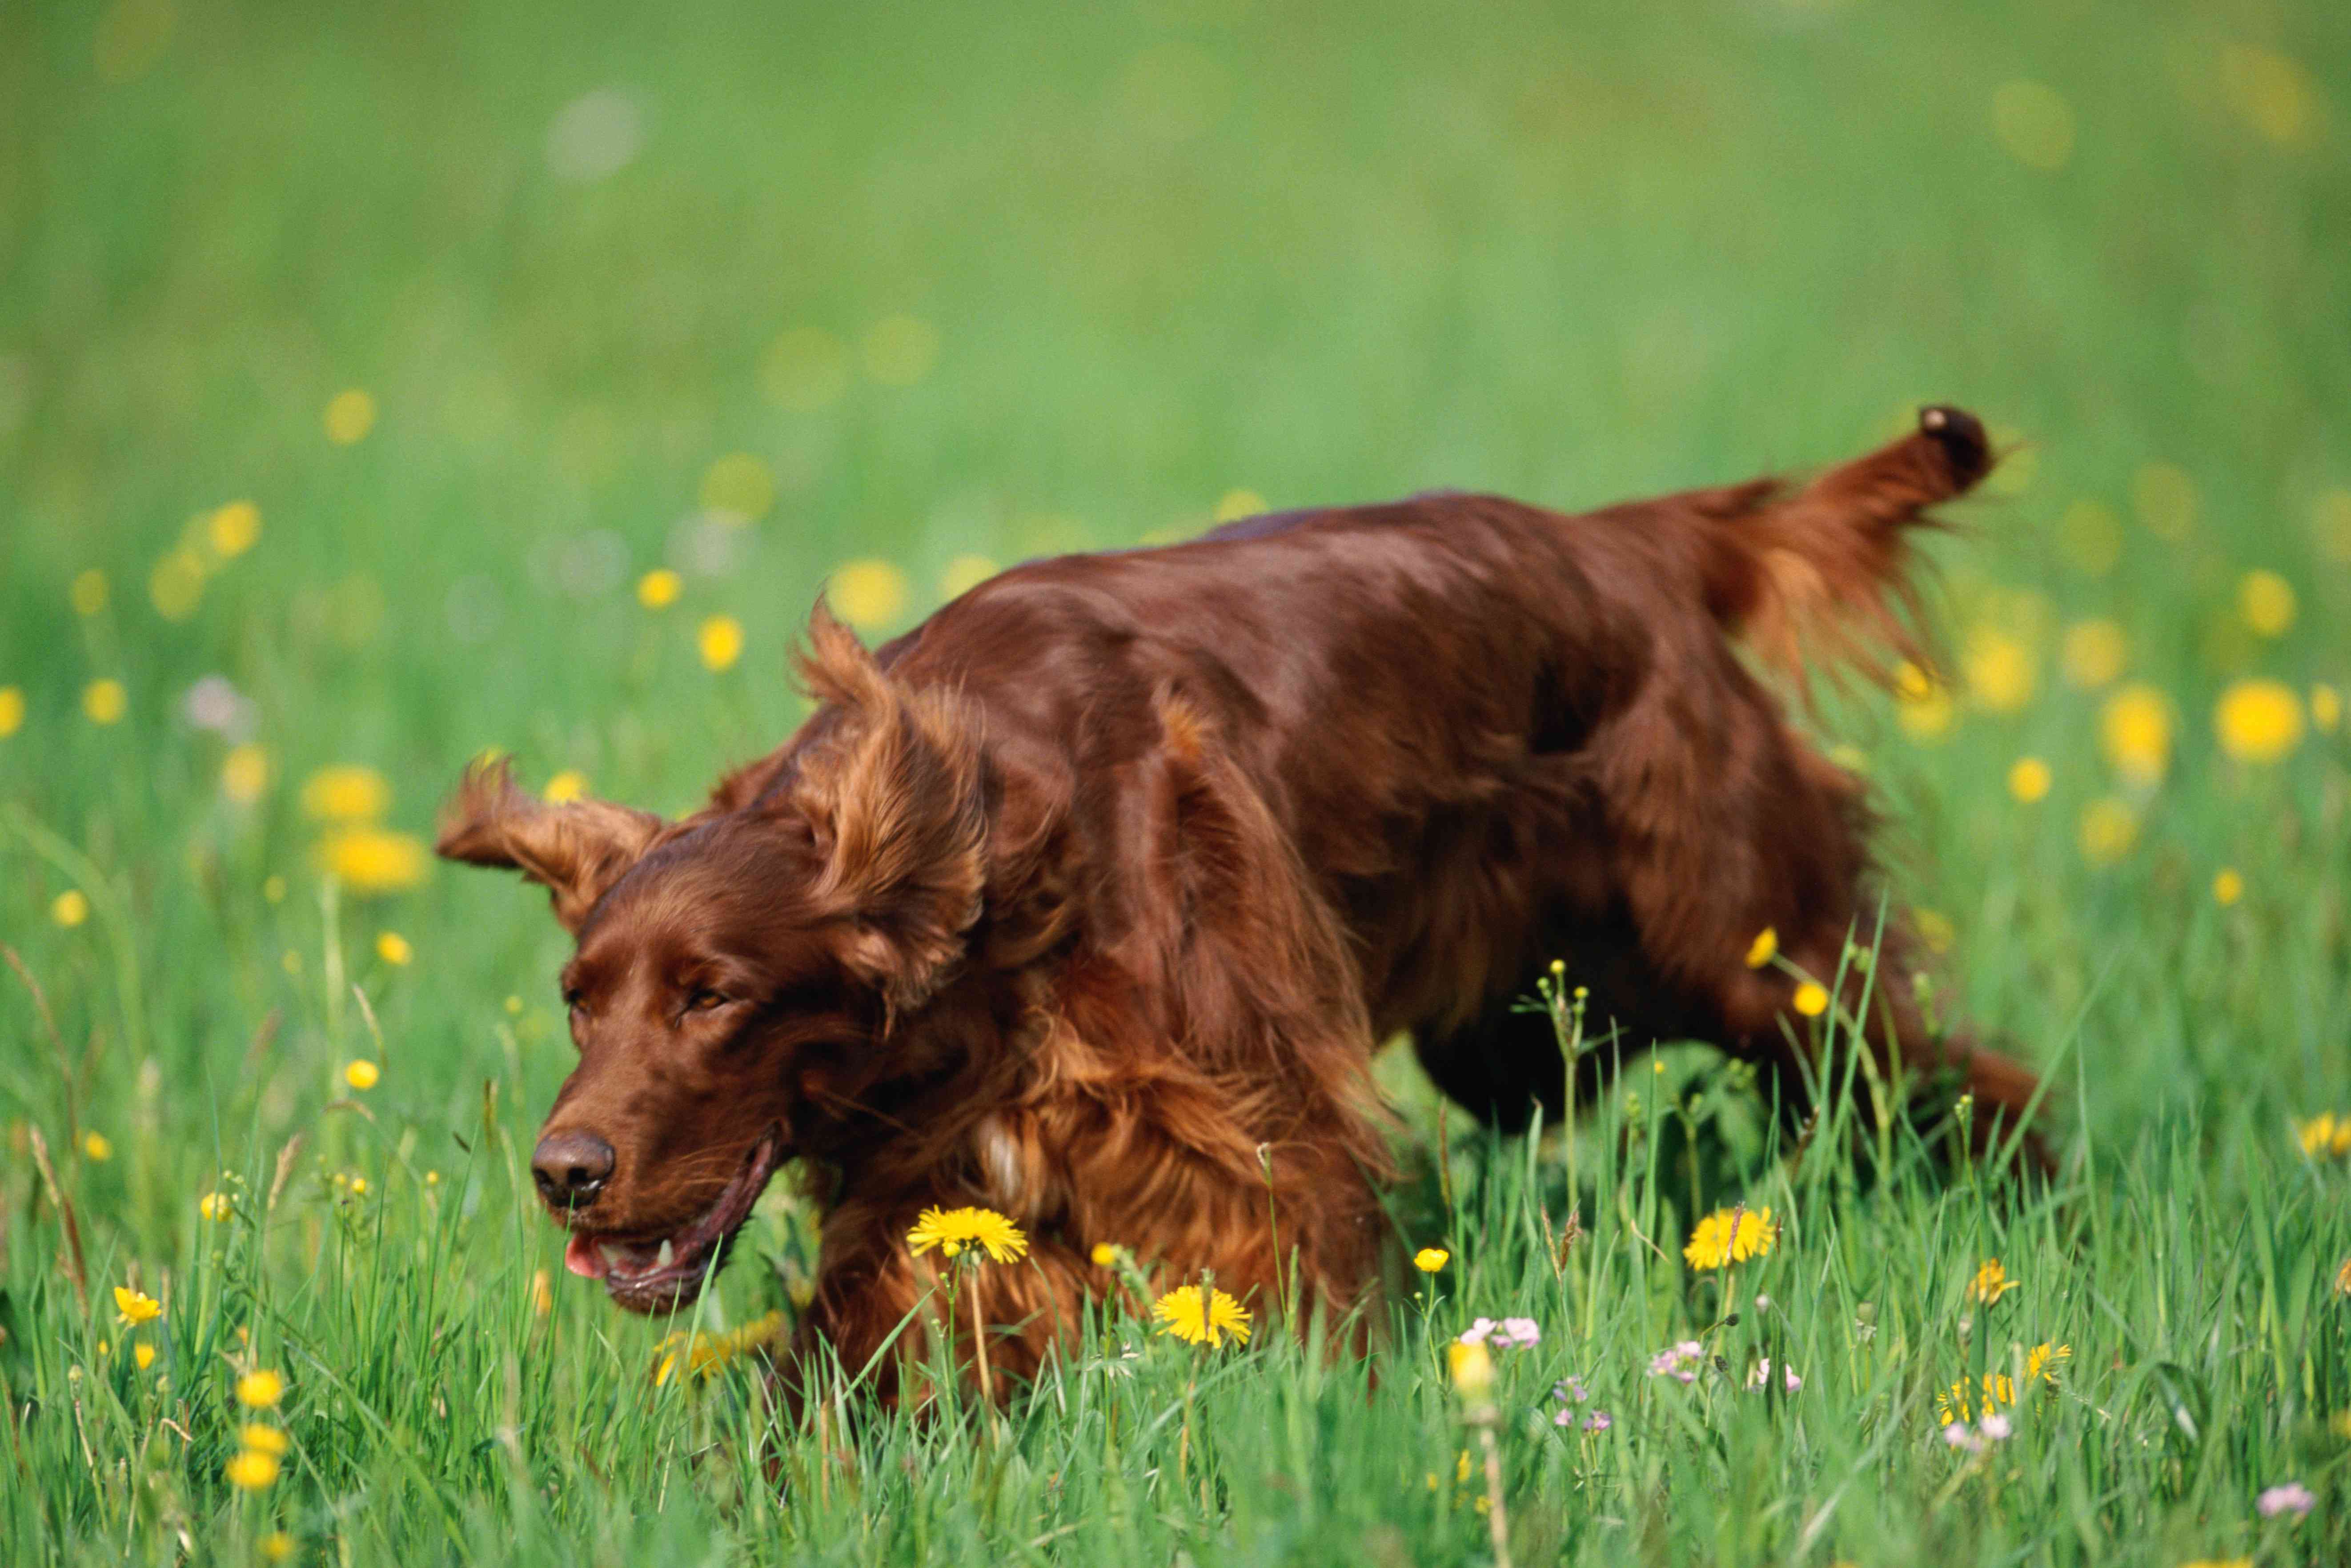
pixel 655 1273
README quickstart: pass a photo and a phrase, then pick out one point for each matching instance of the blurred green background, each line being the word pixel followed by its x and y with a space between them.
pixel 489 313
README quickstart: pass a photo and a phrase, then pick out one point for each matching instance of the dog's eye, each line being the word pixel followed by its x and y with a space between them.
pixel 703 1001
pixel 574 1002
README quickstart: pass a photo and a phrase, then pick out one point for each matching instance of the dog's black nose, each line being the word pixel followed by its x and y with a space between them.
pixel 1962 438
pixel 571 1168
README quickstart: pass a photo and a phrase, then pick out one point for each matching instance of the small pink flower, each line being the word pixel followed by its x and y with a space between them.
pixel 1996 1427
pixel 2291 1496
pixel 1476 1331
pixel 1517 1334
pixel 1679 1360
pixel 1598 1421
pixel 1957 1436
pixel 1762 1375
pixel 1569 1391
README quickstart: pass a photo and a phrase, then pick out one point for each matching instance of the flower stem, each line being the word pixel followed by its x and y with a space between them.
pixel 979 1341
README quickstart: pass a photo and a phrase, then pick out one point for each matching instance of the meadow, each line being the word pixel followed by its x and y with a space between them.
pixel 382 385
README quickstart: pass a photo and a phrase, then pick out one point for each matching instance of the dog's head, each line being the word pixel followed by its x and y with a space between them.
pixel 740 978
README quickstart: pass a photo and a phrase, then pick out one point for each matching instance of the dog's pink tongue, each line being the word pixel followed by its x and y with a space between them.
pixel 582 1257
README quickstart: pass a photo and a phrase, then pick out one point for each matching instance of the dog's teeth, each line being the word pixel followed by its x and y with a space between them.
pixel 612 1255
pixel 666 1256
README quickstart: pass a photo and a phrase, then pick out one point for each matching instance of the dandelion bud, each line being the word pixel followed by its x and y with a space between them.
pixel 1472 1366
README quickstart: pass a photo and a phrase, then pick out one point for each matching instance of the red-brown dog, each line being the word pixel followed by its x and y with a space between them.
pixel 1110 875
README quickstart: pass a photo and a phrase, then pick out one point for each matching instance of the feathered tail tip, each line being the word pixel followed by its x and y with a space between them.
pixel 1819 574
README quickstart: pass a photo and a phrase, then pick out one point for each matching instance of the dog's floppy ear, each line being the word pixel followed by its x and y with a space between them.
pixel 895 800
pixel 575 850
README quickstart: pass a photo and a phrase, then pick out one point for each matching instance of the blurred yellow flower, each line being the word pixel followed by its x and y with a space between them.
pixel 2258 721
pixel 349 416
pixel 373 859
pixel 262 1438
pixel 1934 929
pixel 70 907
pixel 135 1308
pixel 2228 885
pixel 260 1389
pixel 215 1207
pixel 2165 498
pixel 1991 1282
pixel 1471 1366
pixel 1104 1254
pixel 965 573
pixel 804 370
pixel 1764 948
pixel 97 1146
pixel 346 792
pixel 2035 124
pixel 2325 709
pixel 143 1355
pixel 2041 1361
pixel 900 349
pixel 2109 830
pixel 362 1074
pixel 232 529
pixel 1429 1259
pixel 542 1294
pixel 658 588
pixel 1954 1404
pixel 1923 705
pixel 252 1470
pixel 952 1230
pixel 1999 669
pixel 175 585
pixel 870 593
pixel 88 592
pixel 393 949
pixel 739 485
pixel 721 642
pixel 273 888
pixel 566 786
pixel 2029 779
pixel 104 701
pixel 2094 653
pixel 2092 538
pixel 1731 1236
pixel 2343 1288
pixel 705 1353
pixel 1199 1319
pixel 2325 1135
pixel 12 710
pixel 1812 1000
pixel 2271 92
pixel 245 773
pixel 1235 505
pixel 2266 601
pixel 2134 733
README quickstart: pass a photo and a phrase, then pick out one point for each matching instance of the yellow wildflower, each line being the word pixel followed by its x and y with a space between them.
pixel 566 786
pixel 1104 1254
pixel 1811 998
pixel 346 792
pixel 261 1440
pixel 12 710
pixel 252 1470
pixel 720 641
pixel 1731 1236
pixel 97 1146
pixel 2342 1282
pixel 542 1294
pixel 245 773
pixel 2228 885
pixel 2325 1135
pixel 142 1355
pixel 1999 669
pixel 658 588
pixel 233 530
pixel 349 416
pixel 2134 733
pixel 104 701
pixel 870 593
pixel 2040 1362
pixel 70 907
pixel 2266 601
pixel 705 1353
pixel 2029 779
pixel 261 1389
pixel 1764 948
pixel 1201 1318
pixel 1471 1366
pixel 1429 1259
pixel 276 1546
pixel 133 1308
pixel 1991 1282
pixel 1957 1403
pixel 2258 720
pixel 2109 830
pixel 952 1230
pixel 393 949
pixel 1923 705
pixel 2094 653
pixel 216 1206
pixel 362 1074
pixel 373 859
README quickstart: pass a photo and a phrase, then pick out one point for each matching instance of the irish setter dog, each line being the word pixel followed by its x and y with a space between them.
pixel 1089 899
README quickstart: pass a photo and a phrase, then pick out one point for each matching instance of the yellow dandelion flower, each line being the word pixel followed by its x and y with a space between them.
pixel 362 1074
pixel 2094 653
pixel 2258 721
pixel 142 1355
pixel 1811 998
pixel 1958 1403
pixel 965 573
pixel 104 701
pixel 12 710
pixel 70 908
pixel 1991 1282
pixel 375 860
pixel 1764 948
pixel 740 485
pixel 1731 1236
pixel 393 949
pixel 2227 886
pixel 2000 670
pixel 565 788
pixel 233 530
pixel 358 1187
pixel 133 1308
pixel 2325 1136
pixel 1923 705
pixel 1471 1367
pixel 252 1470
pixel 720 641
pixel 2325 709
pixel 175 585
pixel 245 773
pixel 2109 830
pixel 261 1440
pixel 216 1206
pixel 346 792
pixel 2029 779
pixel 1935 930
pixel 1201 1319
pixel 89 593
pixel 2043 1359
pixel 2266 600
pixel 2134 733
pixel 870 594
pixel 349 416
pixel 2343 1287
pixel 1429 1259
pixel 276 1546
pixel 97 1146
pixel 1104 1254
pixel 658 588
pixel 952 1230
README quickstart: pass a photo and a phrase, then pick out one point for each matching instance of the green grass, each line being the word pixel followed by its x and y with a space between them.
pixel 1168 251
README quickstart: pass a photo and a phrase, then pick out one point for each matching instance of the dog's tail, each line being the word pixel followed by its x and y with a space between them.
pixel 1821 570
